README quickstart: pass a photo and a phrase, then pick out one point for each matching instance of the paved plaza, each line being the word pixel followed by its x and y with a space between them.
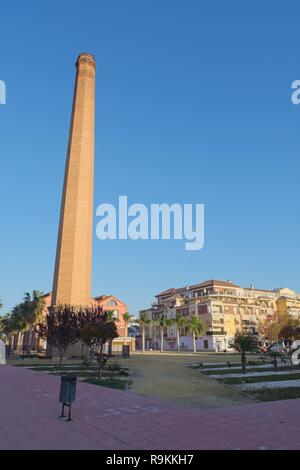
pixel 111 419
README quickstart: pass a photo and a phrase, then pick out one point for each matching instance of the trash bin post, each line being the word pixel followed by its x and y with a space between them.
pixel 67 394
pixel 125 351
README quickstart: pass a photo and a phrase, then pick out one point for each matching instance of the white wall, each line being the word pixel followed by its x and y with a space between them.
pixel 215 343
pixel 2 353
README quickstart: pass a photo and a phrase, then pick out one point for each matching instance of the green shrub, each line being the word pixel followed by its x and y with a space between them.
pixel 111 382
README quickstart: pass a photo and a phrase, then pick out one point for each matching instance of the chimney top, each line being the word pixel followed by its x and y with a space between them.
pixel 85 57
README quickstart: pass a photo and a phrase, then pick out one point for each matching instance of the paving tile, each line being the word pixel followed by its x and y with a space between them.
pixel 117 420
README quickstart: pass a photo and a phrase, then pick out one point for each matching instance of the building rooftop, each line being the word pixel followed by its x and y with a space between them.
pixel 215 283
pixel 211 282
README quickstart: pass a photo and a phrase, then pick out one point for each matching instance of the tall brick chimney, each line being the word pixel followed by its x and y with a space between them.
pixel 73 265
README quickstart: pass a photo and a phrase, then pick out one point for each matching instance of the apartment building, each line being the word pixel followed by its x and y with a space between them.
pixel 224 308
pixel 288 303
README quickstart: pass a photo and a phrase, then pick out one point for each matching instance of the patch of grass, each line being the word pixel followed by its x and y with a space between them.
pixel 239 371
pixel 91 373
pixel 86 373
pixel 263 378
pixel 56 368
pixel 42 363
pixel 111 382
pixel 82 371
pixel 212 367
pixel 268 394
pixel 234 365
pixel 113 366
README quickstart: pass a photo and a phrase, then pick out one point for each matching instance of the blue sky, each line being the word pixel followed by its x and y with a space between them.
pixel 193 106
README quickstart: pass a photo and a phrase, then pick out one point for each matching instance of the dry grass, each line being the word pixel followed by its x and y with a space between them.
pixel 166 376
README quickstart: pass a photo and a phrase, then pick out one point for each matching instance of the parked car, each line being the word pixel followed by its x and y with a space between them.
pixel 277 347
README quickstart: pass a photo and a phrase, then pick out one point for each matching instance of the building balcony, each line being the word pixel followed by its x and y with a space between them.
pixel 220 331
pixel 155 304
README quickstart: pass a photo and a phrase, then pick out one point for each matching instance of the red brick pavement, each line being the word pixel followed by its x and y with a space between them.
pixel 114 420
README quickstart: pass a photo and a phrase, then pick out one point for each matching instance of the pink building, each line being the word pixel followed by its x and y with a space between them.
pixel 29 341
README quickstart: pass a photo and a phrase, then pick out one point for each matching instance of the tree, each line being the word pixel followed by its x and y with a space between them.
pixel 274 355
pixel 180 322
pixel 33 307
pixel 291 329
pixel 163 323
pixel 13 322
pixel 242 344
pixel 3 326
pixel 33 310
pixel 126 319
pixel 110 317
pixel 24 315
pixel 144 321
pixel 95 331
pixel 195 328
pixel 61 328
pixel 88 318
pixel 271 327
pixel 155 326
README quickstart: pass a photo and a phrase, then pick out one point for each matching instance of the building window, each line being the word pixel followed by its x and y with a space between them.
pixel 111 303
pixel 202 309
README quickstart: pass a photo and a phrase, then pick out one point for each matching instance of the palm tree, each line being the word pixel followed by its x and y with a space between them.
pixel 163 323
pixel 155 323
pixel 6 325
pixel 13 323
pixel 126 318
pixel 144 321
pixel 180 322
pixel 195 328
pixel 110 315
pixel 275 355
pixel 1 332
pixel 33 307
pixel 242 344
pixel 24 315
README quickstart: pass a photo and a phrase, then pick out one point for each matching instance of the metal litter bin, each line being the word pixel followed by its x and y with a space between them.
pixel 67 393
pixel 125 351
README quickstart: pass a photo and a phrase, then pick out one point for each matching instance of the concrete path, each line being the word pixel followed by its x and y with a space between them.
pixel 255 374
pixel 269 384
pixel 212 369
pixel 115 420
